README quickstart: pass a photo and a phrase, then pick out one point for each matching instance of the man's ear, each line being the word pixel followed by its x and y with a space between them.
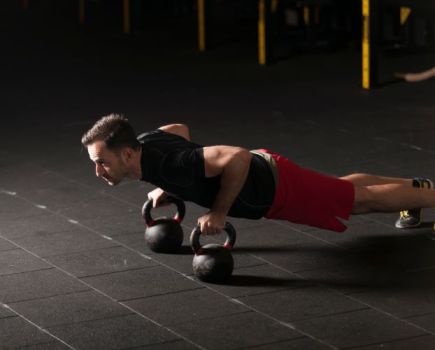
pixel 126 154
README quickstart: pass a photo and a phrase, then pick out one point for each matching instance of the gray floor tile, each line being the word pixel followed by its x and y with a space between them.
pixel 41 178
pixel 409 250
pixel 289 249
pixel 118 224
pixel 58 192
pixel 5 245
pixel 226 333
pixel 243 260
pixel 40 224
pixel 100 261
pixel 425 321
pixel 135 241
pixel 5 312
pixel 140 283
pixel 37 284
pixel 402 301
pixel 418 164
pixel 9 161
pixel 357 328
pixel 301 303
pixel 357 234
pixel 18 260
pixel 173 345
pixel 15 332
pixel 46 346
pixel 304 256
pixel 14 181
pixel 100 208
pixel 12 207
pixel 112 333
pixel 82 172
pixel 422 342
pixel 294 344
pixel 189 305
pixel 65 242
pixel 132 191
pixel 180 261
pixel 401 249
pixel 258 280
pixel 356 276
pixel 69 308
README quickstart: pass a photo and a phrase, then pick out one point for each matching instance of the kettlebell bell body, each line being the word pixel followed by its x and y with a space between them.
pixel 164 235
pixel 213 262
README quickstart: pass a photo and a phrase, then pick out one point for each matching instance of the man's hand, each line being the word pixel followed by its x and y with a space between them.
pixel 211 223
pixel 158 196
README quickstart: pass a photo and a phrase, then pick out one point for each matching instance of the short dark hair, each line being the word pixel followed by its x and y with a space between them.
pixel 115 130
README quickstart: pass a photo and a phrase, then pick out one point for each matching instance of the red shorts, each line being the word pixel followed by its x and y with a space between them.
pixel 306 197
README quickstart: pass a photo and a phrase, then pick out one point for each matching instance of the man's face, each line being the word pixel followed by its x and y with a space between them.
pixel 109 165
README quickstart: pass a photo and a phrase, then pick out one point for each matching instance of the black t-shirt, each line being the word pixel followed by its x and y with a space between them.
pixel 176 165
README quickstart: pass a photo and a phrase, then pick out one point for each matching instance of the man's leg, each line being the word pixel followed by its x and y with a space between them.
pixel 391 198
pixel 361 179
pixel 408 218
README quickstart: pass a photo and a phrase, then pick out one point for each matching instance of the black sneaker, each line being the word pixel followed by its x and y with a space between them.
pixel 412 217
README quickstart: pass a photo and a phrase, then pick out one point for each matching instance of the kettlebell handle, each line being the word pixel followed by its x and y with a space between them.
pixel 229 243
pixel 148 205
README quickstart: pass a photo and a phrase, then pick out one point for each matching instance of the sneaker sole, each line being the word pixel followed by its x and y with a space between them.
pixel 398 225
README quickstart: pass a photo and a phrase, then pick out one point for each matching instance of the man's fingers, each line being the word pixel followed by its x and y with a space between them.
pixel 202 228
pixel 208 229
pixel 214 230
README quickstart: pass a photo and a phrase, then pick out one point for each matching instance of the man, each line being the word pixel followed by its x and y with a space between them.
pixel 232 181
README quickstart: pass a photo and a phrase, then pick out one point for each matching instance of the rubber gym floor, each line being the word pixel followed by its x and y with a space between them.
pixel 75 272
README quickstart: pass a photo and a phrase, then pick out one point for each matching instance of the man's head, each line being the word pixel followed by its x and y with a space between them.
pixel 112 144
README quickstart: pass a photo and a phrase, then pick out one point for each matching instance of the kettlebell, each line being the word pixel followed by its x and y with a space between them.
pixel 213 262
pixel 164 235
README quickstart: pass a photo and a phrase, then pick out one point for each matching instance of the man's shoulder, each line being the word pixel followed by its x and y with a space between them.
pixel 149 134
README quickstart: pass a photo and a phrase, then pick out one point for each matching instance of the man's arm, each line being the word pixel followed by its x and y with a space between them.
pixel 232 163
pixel 158 195
pixel 177 129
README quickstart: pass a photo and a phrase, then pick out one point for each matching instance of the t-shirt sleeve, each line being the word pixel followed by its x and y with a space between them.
pixel 183 168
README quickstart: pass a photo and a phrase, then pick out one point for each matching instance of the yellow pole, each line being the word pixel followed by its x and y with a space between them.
pixel 25 4
pixel 262 32
pixel 404 14
pixel 82 11
pixel 126 15
pixel 366 44
pixel 201 25
pixel 307 15
pixel 274 5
